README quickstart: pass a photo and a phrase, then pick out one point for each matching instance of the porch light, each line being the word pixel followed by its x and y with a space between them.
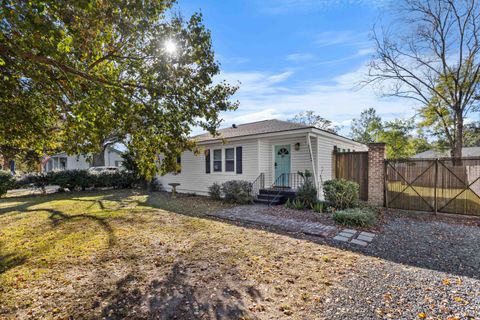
pixel 297 146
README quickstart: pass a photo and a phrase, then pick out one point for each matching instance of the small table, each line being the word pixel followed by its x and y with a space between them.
pixel 174 186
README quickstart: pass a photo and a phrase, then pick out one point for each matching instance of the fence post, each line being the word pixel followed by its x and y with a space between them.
pixel 385 184
pixel 376 173
pixel 435 186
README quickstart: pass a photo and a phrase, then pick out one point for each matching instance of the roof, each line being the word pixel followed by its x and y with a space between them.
pixel 255 128
pixel 432 154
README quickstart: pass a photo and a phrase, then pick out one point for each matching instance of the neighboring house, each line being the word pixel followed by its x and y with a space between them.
pixel 62 161
pixel 432 154
pixel 272 148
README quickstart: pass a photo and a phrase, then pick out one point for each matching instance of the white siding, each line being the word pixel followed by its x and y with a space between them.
pixel 193 178
pixel 77 162
pixel 111 157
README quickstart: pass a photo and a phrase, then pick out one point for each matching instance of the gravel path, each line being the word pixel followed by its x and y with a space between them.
pixel 426 269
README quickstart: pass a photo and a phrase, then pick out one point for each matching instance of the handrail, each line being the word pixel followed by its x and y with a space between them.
pixel 282 178
pixel 258 184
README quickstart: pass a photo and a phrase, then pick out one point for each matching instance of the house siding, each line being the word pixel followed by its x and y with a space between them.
pixel 258 157
pixel 194 179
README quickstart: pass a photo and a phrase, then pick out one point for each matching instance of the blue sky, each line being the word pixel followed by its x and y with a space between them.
pixel 295 55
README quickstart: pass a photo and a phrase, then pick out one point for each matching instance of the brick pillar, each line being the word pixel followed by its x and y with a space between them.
pixel 376 172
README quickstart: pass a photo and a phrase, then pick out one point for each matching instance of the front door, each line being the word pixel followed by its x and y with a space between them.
pixel 282 165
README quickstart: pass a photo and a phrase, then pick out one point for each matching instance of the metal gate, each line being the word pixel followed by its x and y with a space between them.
pixel 436 185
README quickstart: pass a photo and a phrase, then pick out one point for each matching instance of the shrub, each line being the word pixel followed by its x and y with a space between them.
pixel 341 193
pixel 238 191
pixel 295 204
pixel 307 192
pixel 357 217
pixel 319 207
pixel 6 182
pixel 215 191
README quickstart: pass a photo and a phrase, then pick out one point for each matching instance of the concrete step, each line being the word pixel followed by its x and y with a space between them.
pixel 269 202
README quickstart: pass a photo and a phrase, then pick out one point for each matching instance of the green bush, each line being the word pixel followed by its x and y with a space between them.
pixel 341 193
pixel 319 207
pixel 307 192
pixel 80 179
pixel 238 191
pixel 6 182
pixel 295 204
pixel 356 217
pixel 215 191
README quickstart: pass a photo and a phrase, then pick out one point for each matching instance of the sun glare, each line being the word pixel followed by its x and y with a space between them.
pixel 170 46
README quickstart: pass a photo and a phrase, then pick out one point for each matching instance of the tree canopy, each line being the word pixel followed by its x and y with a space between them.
pixel 74 72
pixel 309 117
pixel 366 128
pixel 431 54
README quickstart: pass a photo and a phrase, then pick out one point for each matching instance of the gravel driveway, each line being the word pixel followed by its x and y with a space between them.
pixel 414 269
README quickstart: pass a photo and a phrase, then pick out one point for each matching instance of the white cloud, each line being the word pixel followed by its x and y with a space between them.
pixel 335 38
pixel 298 57
pixel 266 96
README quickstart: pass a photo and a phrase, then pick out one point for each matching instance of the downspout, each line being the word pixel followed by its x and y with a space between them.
pixel 312 159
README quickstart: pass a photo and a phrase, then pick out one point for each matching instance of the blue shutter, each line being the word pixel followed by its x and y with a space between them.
pixel 207 161
pixel 239 160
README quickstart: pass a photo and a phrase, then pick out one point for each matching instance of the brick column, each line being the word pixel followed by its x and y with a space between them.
pixel 376 172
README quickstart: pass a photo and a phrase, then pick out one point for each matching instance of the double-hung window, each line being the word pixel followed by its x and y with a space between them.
pixel 217 160
pixel 230 160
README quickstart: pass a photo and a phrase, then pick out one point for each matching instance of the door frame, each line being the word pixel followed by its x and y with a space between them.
pixel 275 155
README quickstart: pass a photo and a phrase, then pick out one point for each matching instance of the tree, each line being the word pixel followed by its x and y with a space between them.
pixel 432 58
pixel 366 128
pixel 471 137
pixel 311 119
pixel 73 72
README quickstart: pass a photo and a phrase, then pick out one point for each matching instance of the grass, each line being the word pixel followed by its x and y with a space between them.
pixel 130 254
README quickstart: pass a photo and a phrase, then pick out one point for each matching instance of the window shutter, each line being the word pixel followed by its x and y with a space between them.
pixel 207 161
pixel 239 160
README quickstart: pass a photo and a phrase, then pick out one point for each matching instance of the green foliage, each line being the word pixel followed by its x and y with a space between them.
pixel 294 204
pixel 356 217
pixel 341 193
pixel 6 182
pixel 319 207
pixel 82 71
pixel 80 179
pixel 215 191
pixel 307 192
pixel 367 128
pixel 311 119
pixel 238 191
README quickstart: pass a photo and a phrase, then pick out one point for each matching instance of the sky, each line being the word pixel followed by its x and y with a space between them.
pixel 288 56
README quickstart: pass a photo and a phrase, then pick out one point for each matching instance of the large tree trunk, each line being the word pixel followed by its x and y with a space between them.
pixel 458 142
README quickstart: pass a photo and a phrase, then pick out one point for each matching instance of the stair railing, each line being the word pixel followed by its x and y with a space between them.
pixel 279 183
pixel 258 184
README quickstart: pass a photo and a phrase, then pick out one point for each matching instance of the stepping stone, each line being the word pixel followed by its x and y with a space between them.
pixel 345 235
pixel 340 238
pixel 352 231
pixel 367 234
pixel 365 238
pixel 359 242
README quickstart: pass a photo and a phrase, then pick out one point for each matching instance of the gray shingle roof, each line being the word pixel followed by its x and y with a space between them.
pixel 260 127
pixel 432 154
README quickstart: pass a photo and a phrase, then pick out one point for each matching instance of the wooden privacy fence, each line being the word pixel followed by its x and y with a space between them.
pixel 353 166
pixel 436 185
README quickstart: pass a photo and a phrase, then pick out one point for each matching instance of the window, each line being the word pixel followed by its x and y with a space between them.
pixel 217 160
pixel 179 165
pixel 230 159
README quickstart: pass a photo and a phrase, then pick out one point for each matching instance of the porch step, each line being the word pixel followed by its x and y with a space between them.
pixel 274 196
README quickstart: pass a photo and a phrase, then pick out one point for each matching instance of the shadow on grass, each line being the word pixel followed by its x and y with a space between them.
pixel 174 297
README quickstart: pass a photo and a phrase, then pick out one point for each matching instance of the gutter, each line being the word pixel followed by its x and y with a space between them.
pixel 312 159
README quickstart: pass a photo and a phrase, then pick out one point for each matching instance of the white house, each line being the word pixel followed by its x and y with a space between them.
pixel 272 150
pixel 62 161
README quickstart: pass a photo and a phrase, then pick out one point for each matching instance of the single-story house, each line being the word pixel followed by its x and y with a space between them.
pixel 272 150
pixel 434 154
pixel 62 161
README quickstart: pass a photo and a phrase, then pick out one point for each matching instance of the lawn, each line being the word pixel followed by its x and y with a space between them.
pixel 132 254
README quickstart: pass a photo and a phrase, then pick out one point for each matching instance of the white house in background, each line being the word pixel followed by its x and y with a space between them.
pixel 62 161
pixel 271 150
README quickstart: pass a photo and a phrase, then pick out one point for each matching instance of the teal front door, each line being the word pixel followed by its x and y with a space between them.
pixel 282 165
